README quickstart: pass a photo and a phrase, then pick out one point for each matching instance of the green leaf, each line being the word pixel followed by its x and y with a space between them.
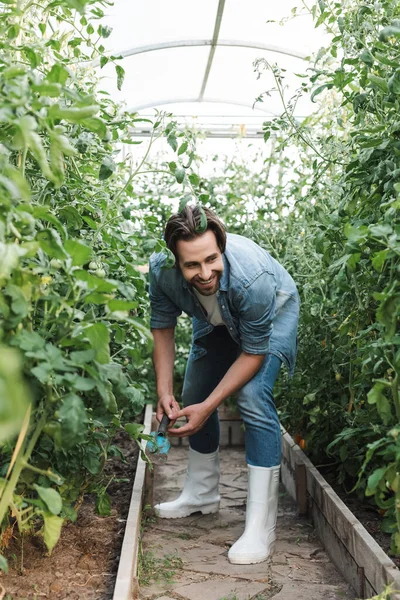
pixel 202 226
pixel 51 498
pixel 103 61
pixel 388 32
pixel 105 31
pixel 120 76
pixel 79 252
pixel 3 564
pixel 182 148
pixel 10 255
pixel 134 430
pixel 378 83
pixel 381 230
pixel 376 396
pixel 58 74
pixel 78 383
pixel 183 201
pixel 367 57
pixel 70 215
pixel 180 175
pixel 374 479
pixel 135 398
pixel 53 90
pixel 74 419
pixel 121 305
pixel 194 179
pixel 96 125
pixel 82 356
pixel 103 504
pixel 379 258
pixel 51 243
pixel 172 141
pixel 394 82
pixel 51 530
pixel 320 89
pixel 107 168
pixel 32 141
pixel 14 395
pixel 99 337
pixel 73 114
pixel 19 304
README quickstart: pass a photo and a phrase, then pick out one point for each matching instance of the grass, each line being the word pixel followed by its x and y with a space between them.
pixel 151 568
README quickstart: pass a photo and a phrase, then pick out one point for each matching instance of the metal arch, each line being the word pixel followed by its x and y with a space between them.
pixel 207 42
pixel 214 43
pixel 159 102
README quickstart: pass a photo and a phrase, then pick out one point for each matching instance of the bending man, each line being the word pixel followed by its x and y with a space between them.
pixel 244 307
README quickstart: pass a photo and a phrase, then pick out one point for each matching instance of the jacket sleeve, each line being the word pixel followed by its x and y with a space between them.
pixel 256 313
pixel 163 312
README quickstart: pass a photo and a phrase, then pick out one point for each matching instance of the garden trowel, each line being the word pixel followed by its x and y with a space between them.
pixel 157 448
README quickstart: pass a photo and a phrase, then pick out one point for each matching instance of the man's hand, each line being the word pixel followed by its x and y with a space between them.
pixel 196 415
pixel 169 406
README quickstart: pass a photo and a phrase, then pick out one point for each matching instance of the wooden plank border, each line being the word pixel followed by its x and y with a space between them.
pixel 126 584
pixel 351 548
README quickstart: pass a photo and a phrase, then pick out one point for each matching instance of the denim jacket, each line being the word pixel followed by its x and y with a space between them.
pixel 257 297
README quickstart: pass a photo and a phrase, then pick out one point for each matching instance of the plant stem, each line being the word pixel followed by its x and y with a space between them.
pixel 395 393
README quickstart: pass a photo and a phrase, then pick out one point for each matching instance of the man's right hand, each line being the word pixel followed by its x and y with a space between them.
pixel 169 406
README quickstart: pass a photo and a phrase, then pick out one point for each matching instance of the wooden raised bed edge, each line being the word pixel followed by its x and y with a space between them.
pixel 126 584
pixel 355 553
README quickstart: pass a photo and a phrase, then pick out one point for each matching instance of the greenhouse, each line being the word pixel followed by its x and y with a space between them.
pixel 199 300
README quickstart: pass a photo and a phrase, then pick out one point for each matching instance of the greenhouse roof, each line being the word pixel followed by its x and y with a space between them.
pixel 196 59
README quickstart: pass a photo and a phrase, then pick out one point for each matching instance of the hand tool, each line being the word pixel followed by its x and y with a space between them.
pixel 157 448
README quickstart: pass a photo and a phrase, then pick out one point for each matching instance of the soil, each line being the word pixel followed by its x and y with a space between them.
pixel 368 517
pixel 84 563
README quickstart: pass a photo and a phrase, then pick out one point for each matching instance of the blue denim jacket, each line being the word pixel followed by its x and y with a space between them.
pixel 257 297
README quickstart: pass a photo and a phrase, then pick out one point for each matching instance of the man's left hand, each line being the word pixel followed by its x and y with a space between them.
pixel 196 415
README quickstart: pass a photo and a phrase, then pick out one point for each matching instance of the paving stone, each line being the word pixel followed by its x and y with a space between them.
pixel 306 591
pixel 181 577
pixel 301 548
pixel 311 571
pixel 216 589
pixel 234 494
pixel 202 557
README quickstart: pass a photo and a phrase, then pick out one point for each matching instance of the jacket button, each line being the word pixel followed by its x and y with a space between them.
pixel 223 306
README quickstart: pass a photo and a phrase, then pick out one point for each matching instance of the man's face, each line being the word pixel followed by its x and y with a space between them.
pixel 201 262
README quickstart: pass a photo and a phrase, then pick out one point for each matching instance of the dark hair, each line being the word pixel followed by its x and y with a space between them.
pixel 187 225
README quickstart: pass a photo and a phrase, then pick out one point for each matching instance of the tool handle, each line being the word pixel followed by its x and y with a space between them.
pixel 162 428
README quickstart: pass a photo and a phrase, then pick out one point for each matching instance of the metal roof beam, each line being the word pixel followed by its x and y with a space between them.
pixel 207 42
pixel 214 42
pixel 161 101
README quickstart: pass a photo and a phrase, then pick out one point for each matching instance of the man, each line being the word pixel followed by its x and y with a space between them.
pixel 244 307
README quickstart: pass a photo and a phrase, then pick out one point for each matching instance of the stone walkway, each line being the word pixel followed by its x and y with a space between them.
pixel 186 559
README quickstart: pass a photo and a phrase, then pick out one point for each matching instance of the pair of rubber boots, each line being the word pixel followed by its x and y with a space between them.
pixel 200 494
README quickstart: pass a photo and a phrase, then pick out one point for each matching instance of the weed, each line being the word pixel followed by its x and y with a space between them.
pixel 148 516
pixel 184 536
pixel 151 568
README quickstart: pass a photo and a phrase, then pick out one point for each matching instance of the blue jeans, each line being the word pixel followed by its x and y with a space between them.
pixel 255 399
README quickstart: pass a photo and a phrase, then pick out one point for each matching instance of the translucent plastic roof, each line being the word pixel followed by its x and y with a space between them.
pixel 197 57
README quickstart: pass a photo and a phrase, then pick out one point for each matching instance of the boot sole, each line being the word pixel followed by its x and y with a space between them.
pixel 249 560
pixel 180 514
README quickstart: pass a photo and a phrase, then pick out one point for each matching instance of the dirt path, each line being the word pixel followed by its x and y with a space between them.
pixel 187 558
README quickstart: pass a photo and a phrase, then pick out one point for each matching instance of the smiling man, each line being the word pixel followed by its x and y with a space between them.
pixel 244 307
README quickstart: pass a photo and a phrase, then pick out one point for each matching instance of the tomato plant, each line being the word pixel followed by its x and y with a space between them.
pixel 73 305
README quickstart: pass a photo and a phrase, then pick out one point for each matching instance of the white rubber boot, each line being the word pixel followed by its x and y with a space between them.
pixel 258 540
pixel 200 490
